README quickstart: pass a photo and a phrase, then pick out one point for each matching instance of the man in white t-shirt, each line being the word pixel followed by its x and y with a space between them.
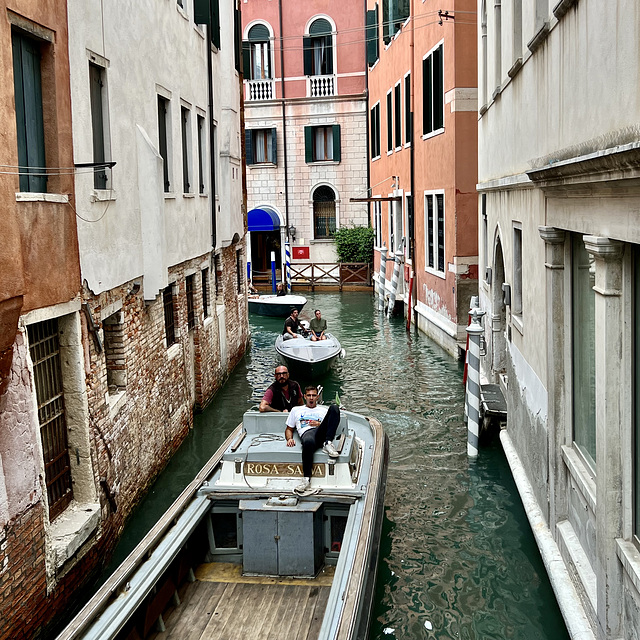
pixel 316 426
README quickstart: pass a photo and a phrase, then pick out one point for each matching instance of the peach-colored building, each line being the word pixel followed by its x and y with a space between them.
pixel 423 157
pixel 305 122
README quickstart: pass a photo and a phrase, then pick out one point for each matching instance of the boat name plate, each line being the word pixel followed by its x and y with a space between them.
pixel 282 469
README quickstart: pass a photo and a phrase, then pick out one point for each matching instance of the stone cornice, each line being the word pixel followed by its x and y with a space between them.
pixel 552 235
pixel 603 248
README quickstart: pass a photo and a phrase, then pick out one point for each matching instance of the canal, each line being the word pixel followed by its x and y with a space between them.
pixel 458 558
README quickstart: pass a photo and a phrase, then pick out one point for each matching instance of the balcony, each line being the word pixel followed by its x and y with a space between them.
pixel 321 86
pixel 260 90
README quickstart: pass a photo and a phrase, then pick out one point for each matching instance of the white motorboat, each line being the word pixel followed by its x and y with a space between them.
pixel 276 306
pixel 307 358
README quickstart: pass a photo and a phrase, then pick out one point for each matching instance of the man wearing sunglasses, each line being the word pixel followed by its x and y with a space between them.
pixel 283 394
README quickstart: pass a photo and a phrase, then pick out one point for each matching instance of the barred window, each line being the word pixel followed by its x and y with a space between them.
pixel 191 315
pixel 324 212
pixel 169 325
pixel 205 292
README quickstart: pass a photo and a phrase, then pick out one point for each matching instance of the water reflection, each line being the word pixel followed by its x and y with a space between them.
pixel 457 552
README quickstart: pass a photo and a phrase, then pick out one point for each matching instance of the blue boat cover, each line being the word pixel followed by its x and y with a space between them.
pixel 263 219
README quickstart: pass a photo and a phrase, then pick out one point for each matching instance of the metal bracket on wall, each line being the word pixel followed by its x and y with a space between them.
pixel 92 326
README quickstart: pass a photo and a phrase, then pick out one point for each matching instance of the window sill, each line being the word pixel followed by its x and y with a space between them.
pixel 376 158
pixel 629 556
pixel 203 195
pixel 208 321
pixel 389 152
pixel 433 134
pixel 321 241
pixel 173 351
pixel 581 475
pixel 102 195
pixel 516 321
pixel 324 162
pixel 262 165
pixel 70 530
pixel 434 272
pixel 169 195
pixel 407 145
pixel 116 401
pixel 188 195
pixel 182 12
pixel 398 148
pixel 28 196
pixel 199 31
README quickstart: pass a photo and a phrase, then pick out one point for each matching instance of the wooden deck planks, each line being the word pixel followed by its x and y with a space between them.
pixel 220 611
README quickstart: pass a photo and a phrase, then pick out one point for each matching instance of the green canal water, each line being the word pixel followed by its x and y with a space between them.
pixel 458 559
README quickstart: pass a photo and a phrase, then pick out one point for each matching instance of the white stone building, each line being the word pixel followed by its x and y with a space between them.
pixel 558 174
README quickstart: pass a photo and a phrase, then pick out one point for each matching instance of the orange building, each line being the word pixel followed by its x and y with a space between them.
pixel 422 83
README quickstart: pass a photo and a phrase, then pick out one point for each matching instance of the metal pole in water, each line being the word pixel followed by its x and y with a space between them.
pixel 287 254
pixel 382 276
pixel 474 331
pixel 397 265
pixel 273 271
pixel 475 304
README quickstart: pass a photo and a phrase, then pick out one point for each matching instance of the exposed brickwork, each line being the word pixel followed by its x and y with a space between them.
pixel 134 427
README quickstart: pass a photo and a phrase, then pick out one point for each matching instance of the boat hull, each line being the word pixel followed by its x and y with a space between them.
pixel 276 306
pixel 308 359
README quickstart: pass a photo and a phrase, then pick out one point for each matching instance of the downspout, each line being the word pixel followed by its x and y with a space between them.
pixel 284 123
pixel 412 165
pixel 212 163
pixel 367 123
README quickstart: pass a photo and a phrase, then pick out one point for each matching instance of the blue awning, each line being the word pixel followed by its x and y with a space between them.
pixel 263 219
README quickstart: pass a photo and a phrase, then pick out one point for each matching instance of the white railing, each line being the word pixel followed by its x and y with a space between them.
pixel 321 86
pixel 260 90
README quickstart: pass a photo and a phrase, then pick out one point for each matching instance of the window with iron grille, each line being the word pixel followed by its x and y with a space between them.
pixel 191 314
pixel 217 261
pixel 114 352
pixel 239 270
pixel 324 212
pixel 169 323
pixel 44 348
pixel 205 292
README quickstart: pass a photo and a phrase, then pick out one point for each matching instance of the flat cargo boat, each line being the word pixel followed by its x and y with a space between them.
pixel 276 306
pixel 308 358
pixel 240 555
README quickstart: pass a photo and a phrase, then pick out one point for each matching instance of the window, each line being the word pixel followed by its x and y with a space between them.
pixel 257 53
pixel 322 143
pixel 372 36
pixel 397 99
pixel 27 84
pixel 377 216
pixel 389 123
pixel 205 292
pixel 185 125
pixel 375 131
pixel 239 270
pixel 434 231
pixel 163 139
pixel 318 49
pixel 114 352
pixel 408 115
pixel 324 212
pixel 217 260
pixel 261 146
pixel 395 226
pixel 191 312
pixel 394 13
pixel 208 12
pixel 433 91
pixel 169 325
pixel 201 147
pixel 44 348
pixel 517 29
pixel 410 224
pixel 98 100
pixel 583 348
pixel 485 236
pixel 516 298
pixel 636 393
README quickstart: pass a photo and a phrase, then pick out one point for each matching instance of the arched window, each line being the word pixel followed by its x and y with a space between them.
pixel 324 212
pixel 318 49
pixel 259 53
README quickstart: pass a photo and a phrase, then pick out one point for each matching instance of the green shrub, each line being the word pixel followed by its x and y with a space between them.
pixel 354 244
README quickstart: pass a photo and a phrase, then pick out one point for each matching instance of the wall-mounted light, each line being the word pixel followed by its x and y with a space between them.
pixel 292 233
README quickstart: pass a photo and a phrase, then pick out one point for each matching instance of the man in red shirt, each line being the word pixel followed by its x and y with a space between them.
pixel 283 394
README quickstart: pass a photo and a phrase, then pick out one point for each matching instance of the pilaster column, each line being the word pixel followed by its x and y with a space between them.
pixel 609 379
pixel 554 241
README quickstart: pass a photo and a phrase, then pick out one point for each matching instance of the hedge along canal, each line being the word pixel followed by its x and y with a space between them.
pixel 458 559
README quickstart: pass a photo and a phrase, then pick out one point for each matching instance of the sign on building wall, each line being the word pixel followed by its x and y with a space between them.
pixel 300 253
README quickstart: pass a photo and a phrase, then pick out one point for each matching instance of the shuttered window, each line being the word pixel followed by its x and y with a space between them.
pixel 408 114
pixel 97 98
pixel 205 292
pixel 44 348
pixel 261 146
pixel 433 91
pixel 318 49
pixel 185 127
pixel 201 146
pixel 397 99
pixel 27 84
pixel 375 131
pixel 322 143
pixel 372 36
pixel 208 12
pixel 163 142
pixel 434 231
pixel 389 122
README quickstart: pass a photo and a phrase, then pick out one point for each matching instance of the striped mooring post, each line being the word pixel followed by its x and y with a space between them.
pixel 475 331
pixel 287 257
pixel 382 276
pixel 397 266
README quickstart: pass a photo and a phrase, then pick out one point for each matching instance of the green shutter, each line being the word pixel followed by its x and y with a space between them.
pixel 320 27
pixel 215 20
pixel 307 53
pixel 385 21
pixel 336 143
pixel 246 60
pixel 274 147
pixel 308 144
pixel 259 33
pixel 237 41
pixel 248 146
pixel 427 95
pixel 438 88
pixel 372 36
pixel 201 11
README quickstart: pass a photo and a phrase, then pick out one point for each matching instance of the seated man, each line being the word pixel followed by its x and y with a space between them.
pixel 283 394
pixel 316 426
pixel 280 290
pixel 291 325
pixel 318 326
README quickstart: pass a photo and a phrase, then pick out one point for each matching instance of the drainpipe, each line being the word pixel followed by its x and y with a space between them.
pixel 284 123
pixel 212 164
pixel 412 164
pixel 366 93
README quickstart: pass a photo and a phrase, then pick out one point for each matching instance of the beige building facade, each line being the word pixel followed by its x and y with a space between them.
pixel 559 240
